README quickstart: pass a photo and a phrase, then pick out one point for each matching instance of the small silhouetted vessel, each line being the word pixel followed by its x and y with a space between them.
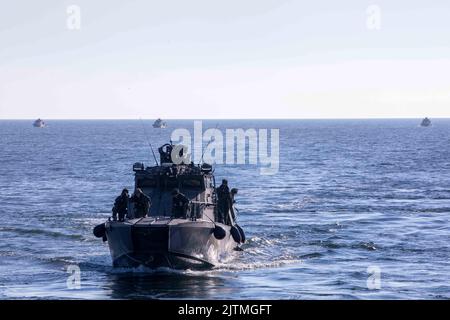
pixel 425 122
pixel 195 240
pixel 159 124
pixel 39 123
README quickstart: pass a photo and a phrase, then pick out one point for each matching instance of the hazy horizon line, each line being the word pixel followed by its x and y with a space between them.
pixel 198 119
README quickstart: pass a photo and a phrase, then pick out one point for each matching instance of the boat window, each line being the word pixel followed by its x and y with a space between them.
pixel 146 183
pixel 171 183
pixel 191 183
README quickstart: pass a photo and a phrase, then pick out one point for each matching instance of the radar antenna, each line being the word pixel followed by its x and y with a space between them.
pixel 148 141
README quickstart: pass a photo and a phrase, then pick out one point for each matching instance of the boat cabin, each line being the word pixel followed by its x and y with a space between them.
pixel 196 182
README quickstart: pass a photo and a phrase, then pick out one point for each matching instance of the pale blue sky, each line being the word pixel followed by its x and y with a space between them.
pixel 224 59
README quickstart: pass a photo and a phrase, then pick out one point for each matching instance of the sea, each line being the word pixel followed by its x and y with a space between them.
pixel 358 209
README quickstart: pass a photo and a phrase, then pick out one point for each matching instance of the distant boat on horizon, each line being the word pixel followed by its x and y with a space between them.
pixel 39 123
pixel 425 122
pixel 159 124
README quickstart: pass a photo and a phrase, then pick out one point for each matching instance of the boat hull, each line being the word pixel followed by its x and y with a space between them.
pixel 172 243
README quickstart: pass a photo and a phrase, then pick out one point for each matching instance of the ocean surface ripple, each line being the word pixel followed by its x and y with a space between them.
pixel 349 195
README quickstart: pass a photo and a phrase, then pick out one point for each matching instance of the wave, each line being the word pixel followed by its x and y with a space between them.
pixel 216 270
pixel 50 233
pixel 240 266
pixel 370 246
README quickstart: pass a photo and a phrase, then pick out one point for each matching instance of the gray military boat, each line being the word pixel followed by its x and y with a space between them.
pixel 426 122
pixel 159 124
pixel 196 240
pixel 39 123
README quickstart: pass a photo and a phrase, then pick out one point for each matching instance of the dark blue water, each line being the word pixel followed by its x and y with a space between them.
pixel 349 195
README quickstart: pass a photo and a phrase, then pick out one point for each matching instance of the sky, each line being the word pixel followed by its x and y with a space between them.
pixel 202 59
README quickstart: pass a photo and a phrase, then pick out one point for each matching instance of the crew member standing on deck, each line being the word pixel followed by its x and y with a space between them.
pixel 121 206
pixel 179 204
pixel 224 202
pixel 141 203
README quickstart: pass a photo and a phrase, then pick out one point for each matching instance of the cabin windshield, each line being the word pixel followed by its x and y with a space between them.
pixel 146 183
pixel 191 183
pixel 159 189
